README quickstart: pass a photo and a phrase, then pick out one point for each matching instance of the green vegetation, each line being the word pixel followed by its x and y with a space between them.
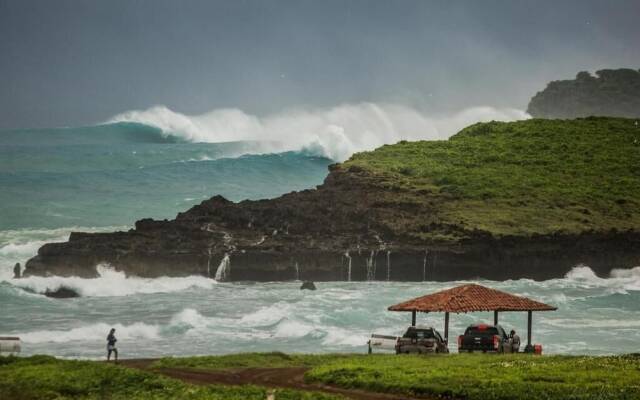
pixel 517 178
pixel 468 376
pixel 42 377
pixel 484 377
pixel 612 92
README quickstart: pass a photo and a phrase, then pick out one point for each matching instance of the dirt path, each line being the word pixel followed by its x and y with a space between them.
pixel 290 378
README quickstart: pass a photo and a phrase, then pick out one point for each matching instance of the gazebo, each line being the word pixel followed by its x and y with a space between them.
pixel 472 298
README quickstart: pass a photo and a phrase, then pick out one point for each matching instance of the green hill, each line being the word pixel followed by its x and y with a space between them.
pixel 520 178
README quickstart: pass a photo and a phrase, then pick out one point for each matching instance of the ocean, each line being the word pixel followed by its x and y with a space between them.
pixel 104 177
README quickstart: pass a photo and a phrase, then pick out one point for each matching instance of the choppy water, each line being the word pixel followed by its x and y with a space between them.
pixel 196 315
pixel 104 178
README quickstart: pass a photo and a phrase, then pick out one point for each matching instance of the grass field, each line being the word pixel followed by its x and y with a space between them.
pixel 520 178
pixel 42 377
pixel 465 376
pixel 468 376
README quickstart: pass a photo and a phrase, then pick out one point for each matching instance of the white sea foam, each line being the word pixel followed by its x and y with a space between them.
pixel 113 283
pixel 335 132
pixel 266 316
pixel 619 279
pixel 190 318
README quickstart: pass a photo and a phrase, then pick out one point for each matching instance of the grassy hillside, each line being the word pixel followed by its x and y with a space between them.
pixel 521 178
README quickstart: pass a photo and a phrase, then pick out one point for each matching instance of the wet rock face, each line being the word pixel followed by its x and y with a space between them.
pixel 350 228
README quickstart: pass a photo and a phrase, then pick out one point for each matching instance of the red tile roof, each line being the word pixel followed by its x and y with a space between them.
pixel 468 298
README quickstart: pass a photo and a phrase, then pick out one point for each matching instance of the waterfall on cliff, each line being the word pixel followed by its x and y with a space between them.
pixel 209 262
pixel 223 269
pixel 371 265
pixel 348 257
pixel 297 272
pixel 424 266
pixel 388 265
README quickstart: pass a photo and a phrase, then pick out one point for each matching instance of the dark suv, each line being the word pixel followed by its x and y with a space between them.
pixel 421 339
pixel 484 338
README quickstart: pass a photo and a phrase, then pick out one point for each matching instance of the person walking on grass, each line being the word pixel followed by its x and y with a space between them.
pixel 111 345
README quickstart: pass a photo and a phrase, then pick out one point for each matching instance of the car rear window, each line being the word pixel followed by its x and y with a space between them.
pixel 482 330
pixel 419 334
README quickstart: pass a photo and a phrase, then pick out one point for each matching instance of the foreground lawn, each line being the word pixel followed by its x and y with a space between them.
pixel 467 376
pixel 42 377
pixel 480 377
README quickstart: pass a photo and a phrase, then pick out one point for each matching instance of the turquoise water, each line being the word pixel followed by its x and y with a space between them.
pixel 117 173
pixel 103 178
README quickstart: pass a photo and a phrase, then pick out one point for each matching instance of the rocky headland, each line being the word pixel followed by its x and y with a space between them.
pixel 528 199
pixel 611 92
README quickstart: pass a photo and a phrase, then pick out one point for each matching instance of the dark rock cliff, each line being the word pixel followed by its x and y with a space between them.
pixel 334 232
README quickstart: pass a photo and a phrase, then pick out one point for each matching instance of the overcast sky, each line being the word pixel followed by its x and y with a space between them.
pixel 70 63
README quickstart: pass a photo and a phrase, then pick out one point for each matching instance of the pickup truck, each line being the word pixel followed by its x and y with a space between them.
pixel 484 338
pixel 421 339
pixel 417 340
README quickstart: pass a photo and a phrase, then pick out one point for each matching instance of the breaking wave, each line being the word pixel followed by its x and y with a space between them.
pixel 112 283
pixel 335 132
pixel 619 279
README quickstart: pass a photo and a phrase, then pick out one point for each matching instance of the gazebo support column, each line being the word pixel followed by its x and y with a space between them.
pixel 495 318
pixel 446 327
pixel 529 321
pixel 413 318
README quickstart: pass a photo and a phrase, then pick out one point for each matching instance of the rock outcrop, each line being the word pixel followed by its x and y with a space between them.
pixel 612 92
pixel 330 233
pixel 61 293
pixel 308 285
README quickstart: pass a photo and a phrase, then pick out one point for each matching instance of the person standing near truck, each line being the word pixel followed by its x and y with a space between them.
pixel 514 339
pixel 111 345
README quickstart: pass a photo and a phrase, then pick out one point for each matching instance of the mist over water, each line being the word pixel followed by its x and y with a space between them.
pixel 157 162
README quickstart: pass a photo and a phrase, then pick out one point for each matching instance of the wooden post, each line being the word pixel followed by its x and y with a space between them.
pixel 495 317
pixel 413 318
pixel 529 320
pixel 446 327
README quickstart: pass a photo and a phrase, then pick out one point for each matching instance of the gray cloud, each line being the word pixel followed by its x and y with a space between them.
pixel 78 62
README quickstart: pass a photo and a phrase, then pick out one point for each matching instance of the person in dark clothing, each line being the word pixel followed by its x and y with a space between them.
pixel 111 345
pixel 514 339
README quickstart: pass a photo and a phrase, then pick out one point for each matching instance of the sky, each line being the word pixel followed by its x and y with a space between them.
pixel 74 63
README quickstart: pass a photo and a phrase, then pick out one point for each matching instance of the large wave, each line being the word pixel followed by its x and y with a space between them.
pixel 335 132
